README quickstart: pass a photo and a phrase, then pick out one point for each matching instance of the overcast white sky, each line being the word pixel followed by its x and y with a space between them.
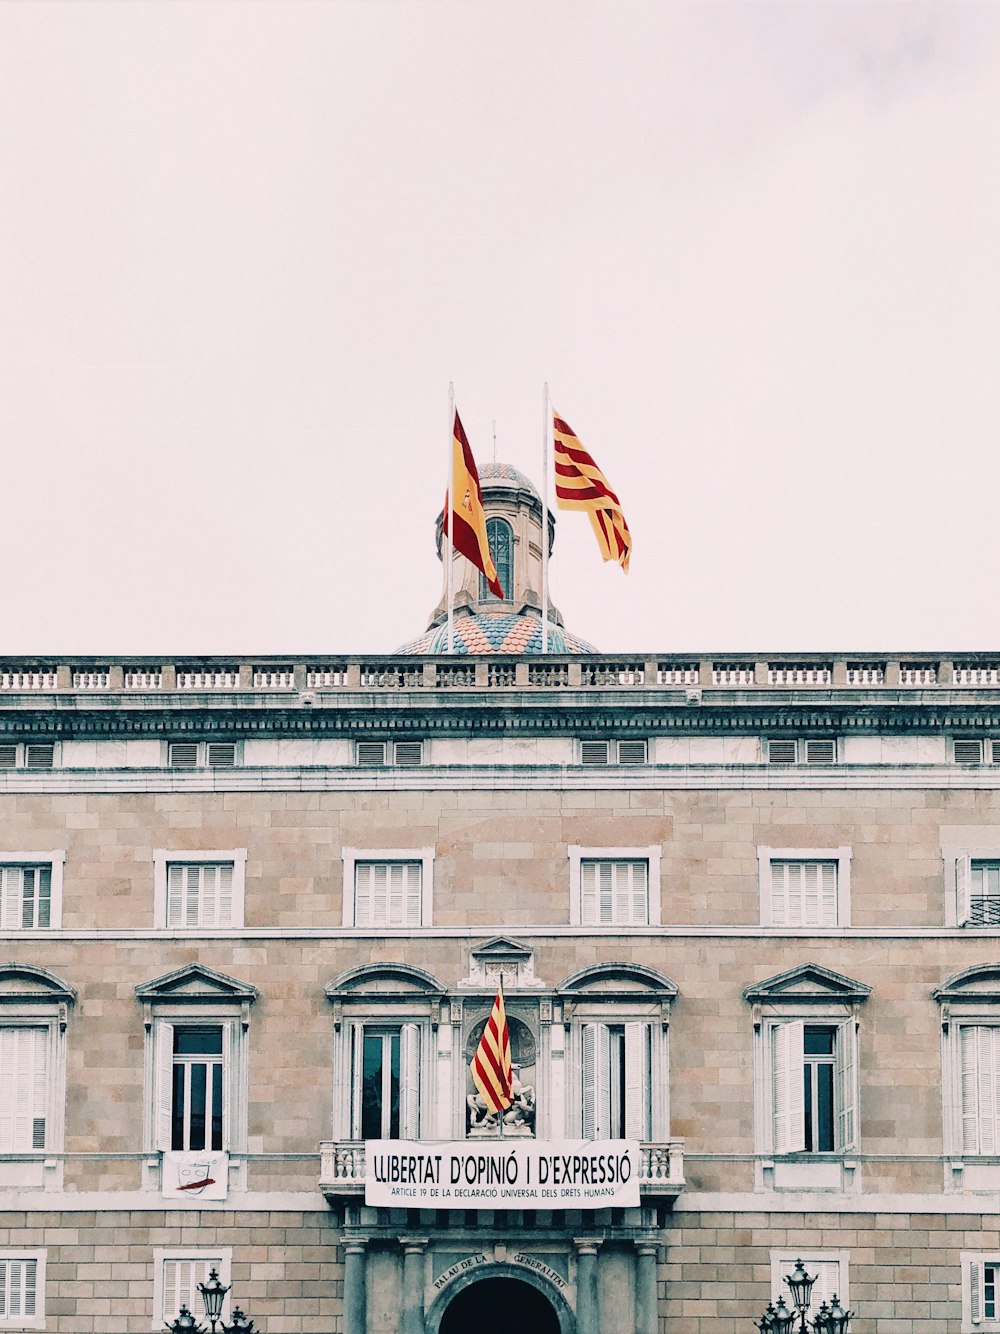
pixel 754 248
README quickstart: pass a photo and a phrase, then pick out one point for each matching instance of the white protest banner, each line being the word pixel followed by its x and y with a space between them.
pixel 189 1176
pixel 502 1174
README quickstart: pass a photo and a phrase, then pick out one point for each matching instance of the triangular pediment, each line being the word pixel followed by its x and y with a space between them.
pixel 808 982
pixel 384 980
pixel 617 979
pixel 501 947
pixel 26 981
pixel 195 982
pixel 982 982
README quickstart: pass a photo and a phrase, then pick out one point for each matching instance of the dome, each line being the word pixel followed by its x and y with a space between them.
pixel 497 632
pixel 506 475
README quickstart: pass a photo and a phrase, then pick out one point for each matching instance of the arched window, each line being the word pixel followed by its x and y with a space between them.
pixel 501 540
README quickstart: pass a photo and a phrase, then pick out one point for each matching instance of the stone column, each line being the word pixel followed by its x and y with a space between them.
pixel 355 1293
pixel 586 1285
pixel 413 1284
pixel 645 1288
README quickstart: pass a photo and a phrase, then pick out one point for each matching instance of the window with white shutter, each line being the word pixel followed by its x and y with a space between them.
pixel 977 887
pixel 388 887
pixel 980 1292
pixel 199 890
pixel 813 1091
pixel 176 1275
pixel 828 1268
pixel 804 887
pixel 199 895
pixel 387 893
pixel 979 1088
pixel 616 1080
pixel 22 1289
pixel 24 1088
pixel 25 897
pixel 614 893
pixel 385 1081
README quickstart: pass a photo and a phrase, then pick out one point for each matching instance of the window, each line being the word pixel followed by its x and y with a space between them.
pixel 34 1011
pixel 384 1055
pixel 201 754
pixel 805 750
pixel 22 1289
pixel 385 1082
pixel 614 886
pixel 31 890
pixel 388 888
pixel 804 887
pixel 27 755
pixel 405 754
pixel 199 890
pixel 805 1070
pixel 501 539
pixel 617 1055
pixel 616 1068
pixel 613 752
pixel 977 888
pixel 196 1024
pixel 830 1269
pixel 176 1275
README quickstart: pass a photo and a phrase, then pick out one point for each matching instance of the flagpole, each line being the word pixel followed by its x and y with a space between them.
pixel 545 517
pixel 500 1114
pixel 451 517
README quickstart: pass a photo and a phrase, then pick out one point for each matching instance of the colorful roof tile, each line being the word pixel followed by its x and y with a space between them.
pixel 497 632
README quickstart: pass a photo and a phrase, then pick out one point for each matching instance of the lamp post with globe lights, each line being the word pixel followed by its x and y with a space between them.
pixel 831 1318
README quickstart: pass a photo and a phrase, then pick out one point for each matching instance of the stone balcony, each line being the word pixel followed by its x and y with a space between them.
pixel 342 1169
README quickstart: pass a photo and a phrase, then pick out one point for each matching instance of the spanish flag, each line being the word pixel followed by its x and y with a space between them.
pixel 491 1070
pixel 580 485
pixel 470 518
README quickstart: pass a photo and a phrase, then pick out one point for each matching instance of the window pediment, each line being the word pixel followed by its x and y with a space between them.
pixel 617 980
pixel 979 983
pixel 195 982
pixel 809 982
pixel 27 982
pixel 385 981
pixel 501 956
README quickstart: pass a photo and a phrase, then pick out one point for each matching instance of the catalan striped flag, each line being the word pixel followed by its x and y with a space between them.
pixel 580 485
pixel 470 517
pixel 491 1070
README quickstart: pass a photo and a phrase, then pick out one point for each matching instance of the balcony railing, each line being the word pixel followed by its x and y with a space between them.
pixel 634 675
pixel 342 1167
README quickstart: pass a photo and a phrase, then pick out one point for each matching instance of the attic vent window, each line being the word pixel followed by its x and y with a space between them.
pixel 807 750
pixel 969 750
pixel 199 754
pixel 33 755
pixel 379 754
pixel 630 752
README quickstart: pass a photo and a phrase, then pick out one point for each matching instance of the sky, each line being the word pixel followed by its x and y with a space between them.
pixel 753 249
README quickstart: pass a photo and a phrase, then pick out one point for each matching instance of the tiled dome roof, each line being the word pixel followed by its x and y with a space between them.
pixel 505 472
pixel 497 632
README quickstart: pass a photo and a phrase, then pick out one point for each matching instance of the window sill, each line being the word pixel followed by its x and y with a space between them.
pixel 30 1171
pixel 971 1174
pixel 828 1172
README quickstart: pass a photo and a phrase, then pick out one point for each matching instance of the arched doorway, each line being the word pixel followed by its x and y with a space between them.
pixel 498 1306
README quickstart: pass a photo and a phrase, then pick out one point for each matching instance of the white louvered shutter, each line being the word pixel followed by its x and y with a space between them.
pixel 221 754
pixel 637 1081
pixel 596 1081
pixel 8 756
pixel 781 752
pixel 979 1078
pixel 163 1096
pixel 39 755
pixel 821 751
pixel 230 1076
pixel 357 1077
pixel 23 1084
pixel 631 752
pixel 29 1287
pixel 975 1291
pixel 409 1081
pixel 408 754
pixel 963 888
pixel 787 1061
pixel 845 1093
pixel 10 897
pixel 18 1288
pixel 593 752
pixel 370 752
pixel 826 1273
pixel 183 755
pixel 180 1283
pixel 36 896
pixel 225 900
pixel 588 893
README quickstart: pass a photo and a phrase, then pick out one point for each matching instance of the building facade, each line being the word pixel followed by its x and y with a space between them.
pixel 254 912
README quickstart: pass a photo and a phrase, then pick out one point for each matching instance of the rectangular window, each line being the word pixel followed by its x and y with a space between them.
pixel 614 893
pixel 406 754
pixel 25 897
pixel 199 895
pixel 977 886
pixel 176 1275
pixel 980 1076
pixel 388 893
pixel 23 1088
pixel 803 893
pixel 828 1268
pixel 21 1290
pixel 385 1082
pixel 980 1298
pixel 616 1063
pixel 813 1087
pixel 806 750
pixel 39 755
pixel 197 1084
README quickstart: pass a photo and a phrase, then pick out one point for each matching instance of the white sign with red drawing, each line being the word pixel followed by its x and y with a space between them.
pixel 195 1176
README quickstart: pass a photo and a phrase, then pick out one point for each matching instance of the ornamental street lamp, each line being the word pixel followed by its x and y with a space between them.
pixel 213 1294
pixel 781 1319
